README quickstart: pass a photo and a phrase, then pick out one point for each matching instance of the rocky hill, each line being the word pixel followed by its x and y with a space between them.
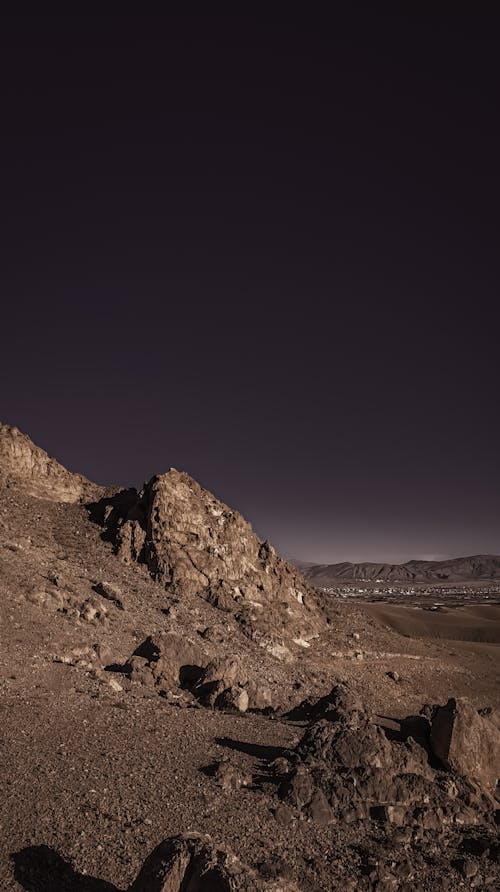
pixel 193 544
pixel 180 710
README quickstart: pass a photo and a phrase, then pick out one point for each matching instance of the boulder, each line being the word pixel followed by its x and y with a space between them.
pixel 169 659
pixel 233 699
pixel 111 593
pixel 191 863
pixel 466 742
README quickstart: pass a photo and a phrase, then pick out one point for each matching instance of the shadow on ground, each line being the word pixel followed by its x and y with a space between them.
pixel 41 869
pixel 266 753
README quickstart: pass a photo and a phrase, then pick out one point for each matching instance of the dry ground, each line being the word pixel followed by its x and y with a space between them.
pixel 101 775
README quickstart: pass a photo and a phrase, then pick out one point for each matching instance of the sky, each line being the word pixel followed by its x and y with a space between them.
pixel 262 248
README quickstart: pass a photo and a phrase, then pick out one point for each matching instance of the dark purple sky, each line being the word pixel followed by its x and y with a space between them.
pixel 264 249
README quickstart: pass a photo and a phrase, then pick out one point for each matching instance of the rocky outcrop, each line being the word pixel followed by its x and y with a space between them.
pixel 170 663
pixel 166 661
pixel 346 768
pixel 25 465
pixel 191 863
pixel 466 741
pixel 195 545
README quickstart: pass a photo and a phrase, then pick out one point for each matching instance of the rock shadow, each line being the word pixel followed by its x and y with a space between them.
pixel 42 869
pixel 108 512
pixel 412 727
pixel 265 774
pixel 265 753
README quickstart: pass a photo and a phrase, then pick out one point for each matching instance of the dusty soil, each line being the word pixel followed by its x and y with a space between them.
pixel 98 769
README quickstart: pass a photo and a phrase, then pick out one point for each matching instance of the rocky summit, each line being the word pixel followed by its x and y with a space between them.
pixel 182 712
pixel 25 465
pixel 193 544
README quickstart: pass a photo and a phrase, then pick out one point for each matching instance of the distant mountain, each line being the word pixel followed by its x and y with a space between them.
pixel 480 566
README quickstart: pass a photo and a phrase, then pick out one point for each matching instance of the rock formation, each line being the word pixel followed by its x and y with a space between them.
pixel 345 767
pixel 195 545
pixel 191 863
pixel 22 463
pixel 466 742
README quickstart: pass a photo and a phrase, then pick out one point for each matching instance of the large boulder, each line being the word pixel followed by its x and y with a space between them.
pixel 166 660
pixel 191 863
pixel 195 545
pixel 466 741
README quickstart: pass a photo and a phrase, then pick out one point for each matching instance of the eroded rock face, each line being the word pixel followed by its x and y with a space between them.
pixel 190 863
pixel 24 464
pixel 196 545
pixel 466 741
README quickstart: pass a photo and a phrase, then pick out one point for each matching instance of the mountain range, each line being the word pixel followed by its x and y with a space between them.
pixel 461 569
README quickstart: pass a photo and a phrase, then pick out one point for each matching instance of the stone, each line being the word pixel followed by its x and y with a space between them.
pixel 259 696
pixel 319 809
pixel 229 777
pixel 222 684
pixel 191 863
pixel 284 815
pixel 171 659
pixel 111 593
pixel 345 763
pixel 466 742
pixel 299 787
pixel 396 814
pixel 103 654
pixel 233 699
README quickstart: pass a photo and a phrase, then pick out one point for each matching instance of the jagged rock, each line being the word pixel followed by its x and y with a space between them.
pixel 111 593
pixel 223 684
pixel 341 704
pixel 103 654
pixel 345 761
pixel 233 699
pixel 28 466
pixel 195 545
pixel 191 863
pixel 466 742
pixel 93 611
pixel 226 669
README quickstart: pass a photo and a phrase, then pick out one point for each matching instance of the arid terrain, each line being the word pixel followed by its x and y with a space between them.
pixel 167 680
